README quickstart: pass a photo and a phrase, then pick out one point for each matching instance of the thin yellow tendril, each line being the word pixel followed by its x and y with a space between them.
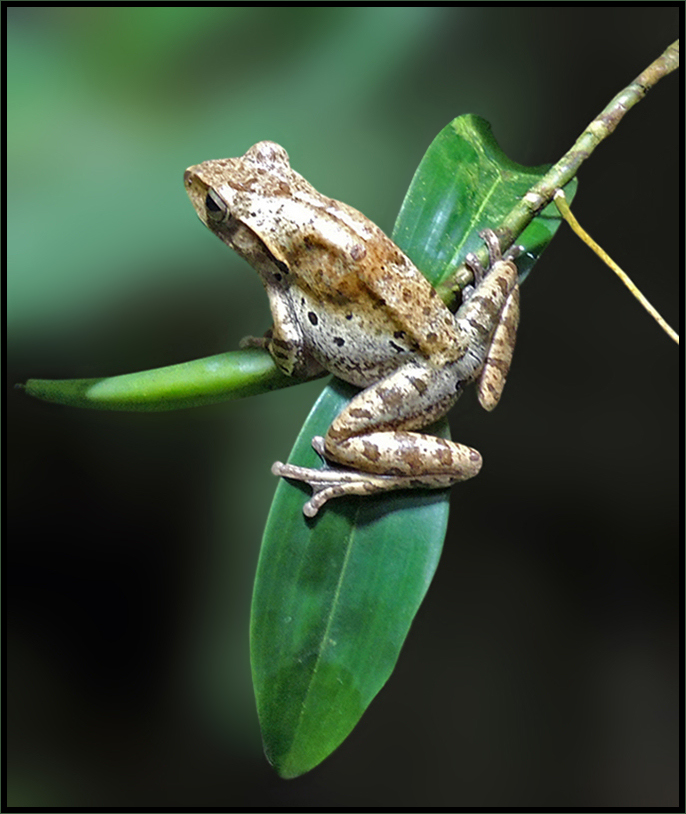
pixel 566 212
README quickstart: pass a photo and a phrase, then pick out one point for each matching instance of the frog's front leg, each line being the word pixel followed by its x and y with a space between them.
pixel 373 439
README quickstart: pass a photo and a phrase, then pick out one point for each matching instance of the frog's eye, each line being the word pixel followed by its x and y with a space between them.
pixel 215 207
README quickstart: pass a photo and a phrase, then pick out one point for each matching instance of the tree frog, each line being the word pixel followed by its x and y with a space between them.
pixel 345 299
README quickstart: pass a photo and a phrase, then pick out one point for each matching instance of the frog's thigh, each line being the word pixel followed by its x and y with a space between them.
pixel 412 396
pixel 421 459
pixel 372 433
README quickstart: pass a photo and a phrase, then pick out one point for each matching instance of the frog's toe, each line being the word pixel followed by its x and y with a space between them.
pixel 493 244
pixel 513 252
pixel 479 272
pixel 329 482
pixel 320 494
pixel 318 446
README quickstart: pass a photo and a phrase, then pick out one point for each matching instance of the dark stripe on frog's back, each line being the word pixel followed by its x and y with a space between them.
pixel 408 296
pixel 414 305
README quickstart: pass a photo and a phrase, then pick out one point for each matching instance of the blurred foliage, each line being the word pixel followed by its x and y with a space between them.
pixel 107 107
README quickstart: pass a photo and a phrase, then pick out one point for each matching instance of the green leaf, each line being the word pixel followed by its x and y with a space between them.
pixel 232 375
pixel 334 597
pixel 333 601
pixel 466 183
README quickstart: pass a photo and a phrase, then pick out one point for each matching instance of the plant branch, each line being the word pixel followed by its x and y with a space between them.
pixel 561 173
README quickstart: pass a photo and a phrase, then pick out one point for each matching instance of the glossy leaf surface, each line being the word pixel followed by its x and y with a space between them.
pixel 334 598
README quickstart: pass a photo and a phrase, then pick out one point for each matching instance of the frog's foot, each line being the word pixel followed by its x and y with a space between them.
pixel 331 482
pixel 494 256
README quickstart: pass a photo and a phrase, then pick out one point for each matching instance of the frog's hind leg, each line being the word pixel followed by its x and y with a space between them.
pixel 493 284
pixel 372 443
pixel 331 482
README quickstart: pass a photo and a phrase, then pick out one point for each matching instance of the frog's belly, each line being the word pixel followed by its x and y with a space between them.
pixel 357 341
pixel 360 358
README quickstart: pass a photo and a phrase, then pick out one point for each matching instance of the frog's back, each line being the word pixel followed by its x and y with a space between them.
pixel 352 267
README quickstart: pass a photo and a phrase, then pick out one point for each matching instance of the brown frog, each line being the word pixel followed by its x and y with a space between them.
pixel 345 299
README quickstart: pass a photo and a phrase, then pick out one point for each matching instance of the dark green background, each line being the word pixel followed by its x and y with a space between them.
pixel 542 668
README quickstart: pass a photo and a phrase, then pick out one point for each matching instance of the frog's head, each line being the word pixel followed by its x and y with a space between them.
pixel 238 186
pixel 242 200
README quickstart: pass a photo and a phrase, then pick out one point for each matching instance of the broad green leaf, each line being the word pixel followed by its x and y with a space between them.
pixel 334 598
pixel 231 375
